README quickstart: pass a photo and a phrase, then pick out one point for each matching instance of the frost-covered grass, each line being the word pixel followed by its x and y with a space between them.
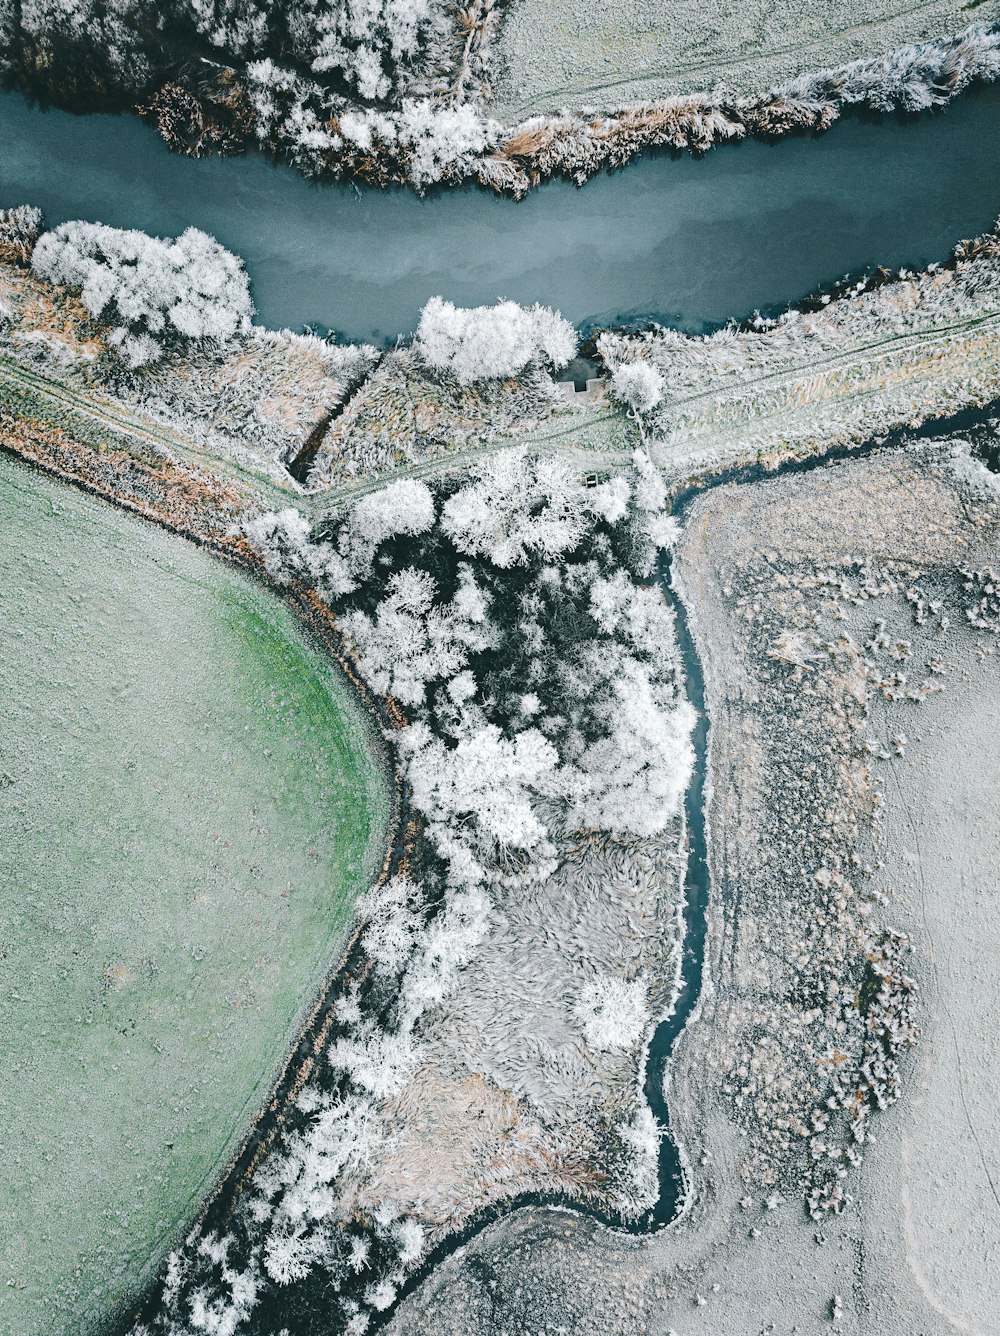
pixel 576 54
pixel 188 809
pixel 255 399
pixel 889 351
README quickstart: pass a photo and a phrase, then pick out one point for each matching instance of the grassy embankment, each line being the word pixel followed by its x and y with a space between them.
pixel 578 56
pixel 192 804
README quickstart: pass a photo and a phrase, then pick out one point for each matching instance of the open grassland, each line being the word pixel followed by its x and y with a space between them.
pixel 189 805
pixel 577 55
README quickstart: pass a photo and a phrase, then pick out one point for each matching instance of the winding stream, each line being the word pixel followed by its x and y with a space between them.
pixel 693 242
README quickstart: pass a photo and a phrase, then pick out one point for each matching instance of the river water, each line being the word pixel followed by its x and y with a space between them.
pixel 692 242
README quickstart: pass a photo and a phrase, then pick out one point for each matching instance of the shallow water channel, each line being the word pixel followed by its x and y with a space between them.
pixel 693 242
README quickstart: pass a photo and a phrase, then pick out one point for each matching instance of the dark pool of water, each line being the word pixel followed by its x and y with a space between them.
pixel 693 242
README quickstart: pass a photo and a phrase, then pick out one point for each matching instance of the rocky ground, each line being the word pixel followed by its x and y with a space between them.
pixel 853 607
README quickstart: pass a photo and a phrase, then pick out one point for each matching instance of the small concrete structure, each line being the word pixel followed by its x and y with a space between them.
pixel 595 393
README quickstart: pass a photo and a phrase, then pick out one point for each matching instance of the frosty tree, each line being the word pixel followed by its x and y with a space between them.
pixel 637 385
pixel 491 342
pixel 152 292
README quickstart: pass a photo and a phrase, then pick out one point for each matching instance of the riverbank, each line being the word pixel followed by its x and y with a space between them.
pixel 405 98
pixel 286 418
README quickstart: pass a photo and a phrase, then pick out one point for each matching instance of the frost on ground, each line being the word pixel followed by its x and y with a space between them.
pixel 881 353
pixel 576 55
pixel 189 807
pixel 846 619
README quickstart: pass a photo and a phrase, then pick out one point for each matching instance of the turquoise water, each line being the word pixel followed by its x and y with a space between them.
pixel 692 241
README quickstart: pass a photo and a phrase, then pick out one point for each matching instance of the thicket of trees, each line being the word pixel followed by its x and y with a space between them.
pixel 513 616
pixel 486 342
pixel 109 51
pixel 151 292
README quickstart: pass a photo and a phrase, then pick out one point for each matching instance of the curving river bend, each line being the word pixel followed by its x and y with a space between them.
pixel 692 242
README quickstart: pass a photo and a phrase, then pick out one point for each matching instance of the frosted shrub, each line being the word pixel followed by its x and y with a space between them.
pixel 517 506
pixel 411 640
pixel 405 507
pixel 282 539
pixel 287 1257
pixel 443 143
pixel 19 230
pixel 613 1012
pixel 638 386
pixel 392 913
pixel 477 794
pixel 381 1295
pixel 151 292
pixel 641 1139
pixel 491 342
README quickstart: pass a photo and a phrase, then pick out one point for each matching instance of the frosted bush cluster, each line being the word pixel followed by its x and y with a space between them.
pixel 151 292
pixel 614 1012
pixel 488 342
pixel 638 386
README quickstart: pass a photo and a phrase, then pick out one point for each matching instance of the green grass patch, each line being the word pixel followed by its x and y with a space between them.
pixel 190 801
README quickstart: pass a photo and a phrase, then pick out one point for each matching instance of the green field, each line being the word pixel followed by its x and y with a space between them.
pixel 190 802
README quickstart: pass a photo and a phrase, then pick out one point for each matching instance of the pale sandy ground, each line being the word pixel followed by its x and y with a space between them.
pixel 917 1253
pixel 557 54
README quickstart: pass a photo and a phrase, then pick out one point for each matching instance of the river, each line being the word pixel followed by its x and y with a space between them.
pixel 692 242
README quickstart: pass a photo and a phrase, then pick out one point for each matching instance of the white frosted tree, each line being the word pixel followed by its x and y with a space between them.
pixel 637 385
pixel 153 293
pixel 402 508
pixel 477 797
pixel 517 505
pixel 491 342
pixel 412 639
pixel 613 1012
